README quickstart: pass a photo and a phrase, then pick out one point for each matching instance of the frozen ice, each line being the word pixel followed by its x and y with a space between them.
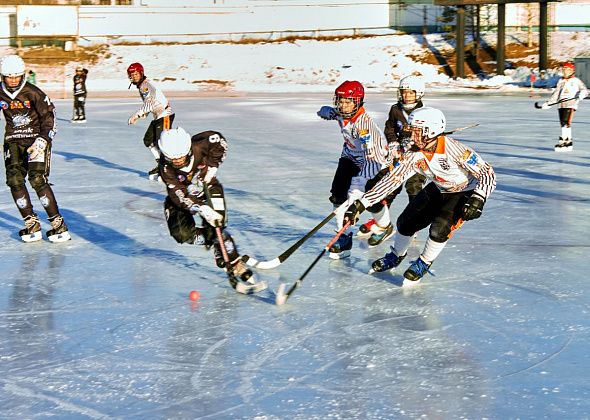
pixel 102 326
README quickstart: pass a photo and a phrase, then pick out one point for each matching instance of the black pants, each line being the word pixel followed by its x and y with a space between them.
pixel 345 171
pixel 442 211
pixel 18 168
pixel 79 106
pixel 152 134
pixel 565 116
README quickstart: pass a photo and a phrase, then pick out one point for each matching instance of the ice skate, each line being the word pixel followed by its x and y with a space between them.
pixel 59 230
pixel 415 272
pixel 365 229
pixel 341 249
pixel 32 230
pixel 249 283
pixel 387 262
pixel 569 146
pixel 384 234
pixel 560 146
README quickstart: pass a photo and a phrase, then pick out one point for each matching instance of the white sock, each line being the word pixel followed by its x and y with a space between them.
pixel 566 133
pixel 155 152
pixel 382 217
pixel 401 244
pixel 431 250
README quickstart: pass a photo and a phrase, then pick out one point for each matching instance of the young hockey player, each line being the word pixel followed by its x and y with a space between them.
pixel 80 92
pixel 154 102
pixel 570 90
pixel 364 153
pixel 189 165
pixel 409 97
pixel 461 183
pixel 28 135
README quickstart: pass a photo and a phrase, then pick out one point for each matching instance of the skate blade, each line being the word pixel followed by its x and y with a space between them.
pixel 281 296
pixel 249 289
pixel 360 234
pixel 60 237
pixel 339 255
pixel 410 283
pixel 32 237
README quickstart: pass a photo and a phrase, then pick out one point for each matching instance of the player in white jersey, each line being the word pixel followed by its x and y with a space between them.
pixel 154 102
pixel 461 183
pixel 364 153
pixel 572 88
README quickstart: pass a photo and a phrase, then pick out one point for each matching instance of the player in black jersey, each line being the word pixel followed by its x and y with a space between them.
pixel 30 128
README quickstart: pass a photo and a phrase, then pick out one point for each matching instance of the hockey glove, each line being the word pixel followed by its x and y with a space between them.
pixel 353 213
pixel 37 150
pixel 473 207
pixel 211 172
pixel 133 119
pixel 327 113
pixel 210 215
pixel 545 105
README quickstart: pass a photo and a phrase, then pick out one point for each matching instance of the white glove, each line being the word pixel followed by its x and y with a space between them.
pixel 327 113
pixel 37 150
pixel 583 94
pixel 211 172
pixel 133 119
pixel 210 215
pixel 545 105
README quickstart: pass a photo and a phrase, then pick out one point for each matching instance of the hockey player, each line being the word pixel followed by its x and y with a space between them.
pixel 80 95
pixel 187 163
pixel 461 183
pixel 154 102
pixel 28 135
pixel 568 87
pixel 364 153
pixel 409 97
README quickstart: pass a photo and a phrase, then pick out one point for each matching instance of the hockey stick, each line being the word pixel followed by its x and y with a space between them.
pixel 282 296
pixel 456 130
pixel 267 265
pixel 539 104
pixel 237 284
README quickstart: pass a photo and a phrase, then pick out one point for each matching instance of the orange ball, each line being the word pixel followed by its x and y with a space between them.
pixel 194 295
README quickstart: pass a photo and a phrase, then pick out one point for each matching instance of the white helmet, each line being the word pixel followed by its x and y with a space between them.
pixel 414 83
pixel 12 65
pixel 175 143
pixel 424 125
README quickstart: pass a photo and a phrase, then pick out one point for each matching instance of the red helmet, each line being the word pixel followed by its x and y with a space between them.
pixel 349 90
pixel 133 68
pixel 569 65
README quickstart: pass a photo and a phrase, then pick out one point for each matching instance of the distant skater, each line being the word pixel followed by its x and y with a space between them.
pixel 567 95
pixel 154 102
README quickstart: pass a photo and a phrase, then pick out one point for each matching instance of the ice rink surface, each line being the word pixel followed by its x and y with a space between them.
pixel 102 327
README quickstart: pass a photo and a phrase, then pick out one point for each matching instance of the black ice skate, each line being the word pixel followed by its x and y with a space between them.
pixel 381 236
pixel 32 230
pixel 341 249
pixel 415 272
pixel 561 145
pixel 59 230
pixel 389 261
pixel 154 174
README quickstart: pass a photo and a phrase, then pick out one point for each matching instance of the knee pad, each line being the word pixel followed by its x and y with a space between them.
pixel 37 180
pixel 440 232
pixel 14 179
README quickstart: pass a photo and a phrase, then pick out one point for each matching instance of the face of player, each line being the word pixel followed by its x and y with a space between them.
pixel 179 163
pixel 12 81
pixel 408 96
pixel 568 72
pixel 135 77
pixel 346 106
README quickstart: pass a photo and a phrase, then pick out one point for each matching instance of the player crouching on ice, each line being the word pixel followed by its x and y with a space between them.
pixel 188 169
pixel 461 183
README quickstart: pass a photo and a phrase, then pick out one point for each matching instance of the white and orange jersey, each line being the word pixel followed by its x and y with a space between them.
pixel 154 101
pixel 453 167
pixel 571 87
pixel 364 144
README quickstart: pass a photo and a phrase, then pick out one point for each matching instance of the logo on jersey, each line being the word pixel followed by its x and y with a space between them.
pixel 181 177
pixel 364 136
pixel 444 163
pixel 3 105
pixel 21 120
pixel 214 138
pixel 16 105
pixel 27 104
pixel 422 165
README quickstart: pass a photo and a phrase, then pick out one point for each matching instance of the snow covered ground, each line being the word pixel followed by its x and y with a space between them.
pixel 102 327
pixel 299 66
